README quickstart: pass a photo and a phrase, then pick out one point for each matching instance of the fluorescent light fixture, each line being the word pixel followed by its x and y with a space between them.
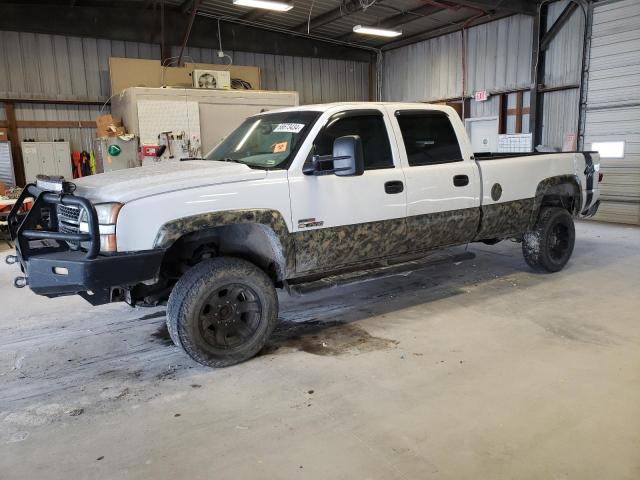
pixel 609 149
pixel 266 4
pixel 378 32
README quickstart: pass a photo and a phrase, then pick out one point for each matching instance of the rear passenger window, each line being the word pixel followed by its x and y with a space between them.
pixel 428 138
pixel 371 130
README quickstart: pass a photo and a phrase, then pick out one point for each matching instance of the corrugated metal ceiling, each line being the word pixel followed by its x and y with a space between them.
pixel 414 21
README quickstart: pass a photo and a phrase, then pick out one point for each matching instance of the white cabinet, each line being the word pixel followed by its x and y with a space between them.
pixel 47 158
pixel 206 116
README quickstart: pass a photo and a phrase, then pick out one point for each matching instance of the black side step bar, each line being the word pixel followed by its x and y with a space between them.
pixel 303 288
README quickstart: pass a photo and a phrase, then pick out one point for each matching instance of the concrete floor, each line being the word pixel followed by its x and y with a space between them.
pixel 481 370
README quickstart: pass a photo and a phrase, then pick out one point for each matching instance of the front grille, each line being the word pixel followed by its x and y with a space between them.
pixel 68 221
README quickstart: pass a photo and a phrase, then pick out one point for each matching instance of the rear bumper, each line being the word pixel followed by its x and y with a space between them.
pixel 591 211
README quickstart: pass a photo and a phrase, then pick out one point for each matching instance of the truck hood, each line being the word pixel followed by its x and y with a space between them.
pixel 135 183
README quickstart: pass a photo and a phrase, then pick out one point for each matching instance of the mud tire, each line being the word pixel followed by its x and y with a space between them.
pixel 214 297
pixel 549 245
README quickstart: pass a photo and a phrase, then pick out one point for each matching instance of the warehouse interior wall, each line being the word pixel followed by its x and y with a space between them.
pixel 563 67
pixel 498 59
pixel 54 67
pixel 499 56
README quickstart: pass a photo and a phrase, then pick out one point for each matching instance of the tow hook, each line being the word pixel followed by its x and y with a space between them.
pixel 11 259
pixel 20 282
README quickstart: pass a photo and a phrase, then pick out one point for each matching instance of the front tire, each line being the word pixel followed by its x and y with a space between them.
pixel 222 311
pixel 549 245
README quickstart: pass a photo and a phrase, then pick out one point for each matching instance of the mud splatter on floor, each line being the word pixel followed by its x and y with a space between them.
pixel 162 336
pixel 324 338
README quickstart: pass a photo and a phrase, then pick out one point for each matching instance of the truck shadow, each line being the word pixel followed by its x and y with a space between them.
pixel 117 354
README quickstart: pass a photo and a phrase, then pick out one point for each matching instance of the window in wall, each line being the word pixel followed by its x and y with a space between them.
pixel 609 149
pixel 371 130
pixel 428 137
pixel 514 112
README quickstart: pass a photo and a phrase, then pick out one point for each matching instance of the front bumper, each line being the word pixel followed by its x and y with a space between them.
pixel 53 267
pixel 64 273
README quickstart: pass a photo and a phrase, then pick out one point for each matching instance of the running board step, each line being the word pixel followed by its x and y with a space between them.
pixel 303 288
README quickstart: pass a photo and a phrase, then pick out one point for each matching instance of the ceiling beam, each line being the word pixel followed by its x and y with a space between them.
pixel 106 22
pixel 512 6
pixel 564 17
pixel 347 8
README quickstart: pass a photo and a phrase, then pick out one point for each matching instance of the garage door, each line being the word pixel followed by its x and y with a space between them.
pixel 613 107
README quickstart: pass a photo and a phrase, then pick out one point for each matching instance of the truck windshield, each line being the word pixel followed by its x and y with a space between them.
pixel 265 141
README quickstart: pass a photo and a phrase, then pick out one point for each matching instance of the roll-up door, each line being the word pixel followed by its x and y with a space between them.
pixel 613 107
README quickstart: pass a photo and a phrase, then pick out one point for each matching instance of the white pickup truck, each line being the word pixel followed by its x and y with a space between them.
pixel 292 196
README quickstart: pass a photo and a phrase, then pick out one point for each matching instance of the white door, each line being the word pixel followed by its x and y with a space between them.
pixel 443 185
pixel 47 158
pixel 31 161
pixel 63 159
pixel 344 220
pixel 483 133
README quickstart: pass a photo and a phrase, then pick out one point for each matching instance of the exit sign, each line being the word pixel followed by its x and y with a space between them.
pixel 481 96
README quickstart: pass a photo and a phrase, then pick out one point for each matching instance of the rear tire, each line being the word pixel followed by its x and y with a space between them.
pixel 222 311
pixel 549 245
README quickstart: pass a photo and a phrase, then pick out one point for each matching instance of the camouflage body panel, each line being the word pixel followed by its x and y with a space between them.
pixel 327 248
pixel 562 184
pixel 441 229
pixel 272 219
pixel 506 219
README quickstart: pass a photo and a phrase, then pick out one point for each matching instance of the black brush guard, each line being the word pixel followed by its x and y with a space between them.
pixel 35 226
pixel 57 268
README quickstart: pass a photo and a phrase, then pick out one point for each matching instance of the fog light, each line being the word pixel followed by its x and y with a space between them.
pixel 61 271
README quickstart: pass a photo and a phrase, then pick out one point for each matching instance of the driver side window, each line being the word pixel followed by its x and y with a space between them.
pixel 370 128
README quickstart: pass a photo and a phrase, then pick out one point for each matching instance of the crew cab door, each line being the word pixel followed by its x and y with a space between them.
pixel 443 184
pixel 339 220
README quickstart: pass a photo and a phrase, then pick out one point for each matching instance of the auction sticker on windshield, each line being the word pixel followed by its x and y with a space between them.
pixel 289 127
pixel 280 147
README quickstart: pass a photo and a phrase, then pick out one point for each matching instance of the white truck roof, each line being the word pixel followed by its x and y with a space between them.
pixel 323 107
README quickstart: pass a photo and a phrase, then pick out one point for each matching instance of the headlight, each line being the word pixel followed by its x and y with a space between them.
pixel 107 218
pixel 107 213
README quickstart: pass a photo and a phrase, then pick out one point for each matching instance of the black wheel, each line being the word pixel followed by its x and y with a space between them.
pixel 549 245
pixel 222 311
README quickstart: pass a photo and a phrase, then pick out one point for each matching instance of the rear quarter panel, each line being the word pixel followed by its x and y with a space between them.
pixel 509 187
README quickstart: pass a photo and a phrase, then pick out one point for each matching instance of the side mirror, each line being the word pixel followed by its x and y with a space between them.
pixel 347 159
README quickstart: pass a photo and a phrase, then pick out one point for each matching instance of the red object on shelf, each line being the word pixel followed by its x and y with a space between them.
pixel 150 150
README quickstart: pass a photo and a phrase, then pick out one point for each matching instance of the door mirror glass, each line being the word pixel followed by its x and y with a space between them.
pixel 347 159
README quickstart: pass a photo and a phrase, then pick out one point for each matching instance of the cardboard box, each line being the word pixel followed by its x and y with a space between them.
pixel 107 126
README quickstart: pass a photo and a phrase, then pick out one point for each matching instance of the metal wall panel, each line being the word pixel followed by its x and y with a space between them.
pixel 62 68
pixel 563 58
pixel 498 59
pixel 424 71
pixel 316 80
pixel 36 66
pixel 559 116
pixel 613 105
pixel 7 176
